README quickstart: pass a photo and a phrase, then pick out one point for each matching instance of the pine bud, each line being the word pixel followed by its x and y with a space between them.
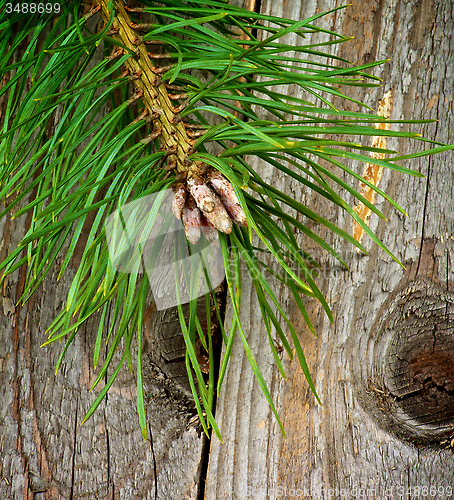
pixel 222 185
pixel 219 216
pixel 228 196
pixel 202 194
pixel 179 199
pixel 191 220
pixel 210 232
pixel 235 211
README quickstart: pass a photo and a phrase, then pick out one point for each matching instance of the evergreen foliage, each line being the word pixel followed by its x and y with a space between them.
pixel 217 60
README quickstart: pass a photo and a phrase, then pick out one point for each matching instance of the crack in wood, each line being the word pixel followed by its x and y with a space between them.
pixel 155 472
pixel 109 477
pixel 428 384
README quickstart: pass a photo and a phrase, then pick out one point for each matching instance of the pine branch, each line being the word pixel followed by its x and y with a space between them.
pixel 105 166
pixel 168 125
pixel 217 210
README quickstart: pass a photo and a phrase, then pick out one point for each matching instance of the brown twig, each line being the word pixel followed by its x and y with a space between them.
pixel 115 53
pixel 134 9
pixel 141 26
pixel 193 135
pixel 143 116
pixel 151 137
pixel 112 31
pixel 180 108
pixel 169 127
pixel 95 8
pixel 160 56
pixel 195 126
pixel 159 70
pixel 174 87
pixel 138 94
pixel 183 95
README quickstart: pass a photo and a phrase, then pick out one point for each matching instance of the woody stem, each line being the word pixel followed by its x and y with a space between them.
pixel 173 135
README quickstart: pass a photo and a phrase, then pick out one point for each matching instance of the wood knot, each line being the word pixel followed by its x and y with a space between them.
pixel 411 374
pixel 433 370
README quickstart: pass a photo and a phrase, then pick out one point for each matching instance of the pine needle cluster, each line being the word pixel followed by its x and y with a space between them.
pixel 102 109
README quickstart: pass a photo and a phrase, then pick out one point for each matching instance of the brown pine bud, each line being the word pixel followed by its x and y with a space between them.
pixel 202 194
pixel 219 216
pixel 179 199
pixel 222 185
pixel 235 211
pixel 210 232
pixel 191 220
pixel 228 196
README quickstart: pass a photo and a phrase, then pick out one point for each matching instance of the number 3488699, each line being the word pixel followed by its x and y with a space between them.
pixel 27 8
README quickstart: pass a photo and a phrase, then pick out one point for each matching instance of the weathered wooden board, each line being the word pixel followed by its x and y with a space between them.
pixel 44 452
pixel 334 450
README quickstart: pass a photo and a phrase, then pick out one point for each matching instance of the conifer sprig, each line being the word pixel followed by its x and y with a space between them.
pixel 179 101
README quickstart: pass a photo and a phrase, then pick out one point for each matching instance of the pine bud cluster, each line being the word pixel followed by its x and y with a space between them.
pixel 206 204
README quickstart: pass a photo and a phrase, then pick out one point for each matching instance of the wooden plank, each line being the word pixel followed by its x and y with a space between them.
pixel 335 450
pixel 44 452
pixel 43 446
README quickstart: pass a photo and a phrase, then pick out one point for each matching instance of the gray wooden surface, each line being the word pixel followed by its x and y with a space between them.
pixel 45 454
pixel 334 450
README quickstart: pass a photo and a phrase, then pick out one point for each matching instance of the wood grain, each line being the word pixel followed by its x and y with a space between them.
pixel 44 452
pixel 333 450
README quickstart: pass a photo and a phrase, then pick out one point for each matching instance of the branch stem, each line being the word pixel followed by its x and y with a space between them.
pixel 173 135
